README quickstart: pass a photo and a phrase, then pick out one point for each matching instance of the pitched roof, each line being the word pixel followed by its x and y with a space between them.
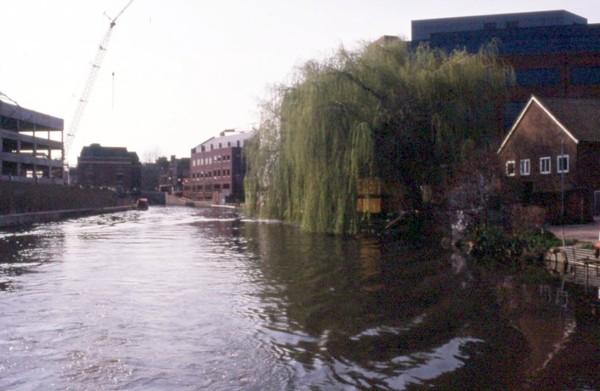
pixel 578 118
pixel 96 151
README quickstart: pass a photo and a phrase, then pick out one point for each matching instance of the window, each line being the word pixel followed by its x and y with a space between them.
pixel 545 165
pixel 226 186
pixel 220 146
pixel 238 143
pixel 228 144
pixel 581 76
pixel 562 164
pixel 510 168
pixel 538 77
pixel 525 167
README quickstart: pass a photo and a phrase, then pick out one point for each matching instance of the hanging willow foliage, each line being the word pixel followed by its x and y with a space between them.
pixel 385 111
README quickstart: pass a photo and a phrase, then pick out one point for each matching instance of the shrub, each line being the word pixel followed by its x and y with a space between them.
pixel 495 245
pixel 492 244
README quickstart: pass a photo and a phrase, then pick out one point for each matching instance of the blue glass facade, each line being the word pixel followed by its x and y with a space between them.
pixel 523 41
pixel 538 77
pixel 553 53
pixel 582 76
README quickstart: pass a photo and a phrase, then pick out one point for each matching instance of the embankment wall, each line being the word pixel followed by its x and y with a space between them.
pixel 19 198
pixel 20 219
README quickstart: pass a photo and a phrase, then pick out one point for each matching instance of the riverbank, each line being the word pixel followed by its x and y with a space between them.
pixel 21 219
pixel 172 200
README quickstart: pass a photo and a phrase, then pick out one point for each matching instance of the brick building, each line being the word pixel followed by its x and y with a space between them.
pixel 31 145
pixel 217 169
pixel 173 174
pixel 554 53
pixel 112 167
pixel 553 151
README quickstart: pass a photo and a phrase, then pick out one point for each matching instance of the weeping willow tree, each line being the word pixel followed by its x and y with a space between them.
pixel 386 111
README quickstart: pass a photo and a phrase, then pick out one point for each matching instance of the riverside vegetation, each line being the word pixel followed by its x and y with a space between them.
pixel 387 110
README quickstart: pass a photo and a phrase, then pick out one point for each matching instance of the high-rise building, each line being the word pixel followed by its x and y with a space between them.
pixel 553 53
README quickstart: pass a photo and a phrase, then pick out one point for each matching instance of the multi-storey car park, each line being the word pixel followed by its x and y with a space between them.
pixel 32 145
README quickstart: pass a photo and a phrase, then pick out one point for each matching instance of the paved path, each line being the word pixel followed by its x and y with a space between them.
pixel 582 232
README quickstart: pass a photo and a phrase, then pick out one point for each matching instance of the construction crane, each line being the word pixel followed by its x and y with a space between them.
pixel 8 98
pixel 89 85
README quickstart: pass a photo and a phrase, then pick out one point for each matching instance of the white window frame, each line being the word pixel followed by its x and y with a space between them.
pixel 546 159
pixel 558 170
pixel 525 163
pixel 514 171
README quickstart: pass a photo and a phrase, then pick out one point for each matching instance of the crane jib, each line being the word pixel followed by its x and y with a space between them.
pixel 87 90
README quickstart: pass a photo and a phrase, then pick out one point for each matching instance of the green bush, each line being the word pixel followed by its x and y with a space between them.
pixel 538 243
pixel 494 245
pixel 491 244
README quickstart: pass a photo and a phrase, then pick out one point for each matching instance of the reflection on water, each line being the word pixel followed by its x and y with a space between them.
pixel 177 298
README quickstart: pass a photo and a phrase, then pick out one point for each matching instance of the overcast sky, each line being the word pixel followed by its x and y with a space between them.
pixel 187 69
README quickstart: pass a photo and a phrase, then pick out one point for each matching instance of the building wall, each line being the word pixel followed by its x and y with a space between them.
pixel 537 136
pixel 217 169
pixel 173 175
pixel 578 206
pixel 575 75
pixel 554 53
pixel 423 29
pixel 109 173
pixel 588 167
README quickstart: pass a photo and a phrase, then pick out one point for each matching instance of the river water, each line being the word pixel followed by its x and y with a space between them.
pixel 194 299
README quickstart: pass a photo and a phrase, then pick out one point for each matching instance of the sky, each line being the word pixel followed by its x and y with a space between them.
pixel 184 70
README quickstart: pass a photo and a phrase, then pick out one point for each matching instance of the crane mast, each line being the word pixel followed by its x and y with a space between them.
pixel 89 85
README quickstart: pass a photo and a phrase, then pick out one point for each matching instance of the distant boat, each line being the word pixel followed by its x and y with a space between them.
pixel 142 204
